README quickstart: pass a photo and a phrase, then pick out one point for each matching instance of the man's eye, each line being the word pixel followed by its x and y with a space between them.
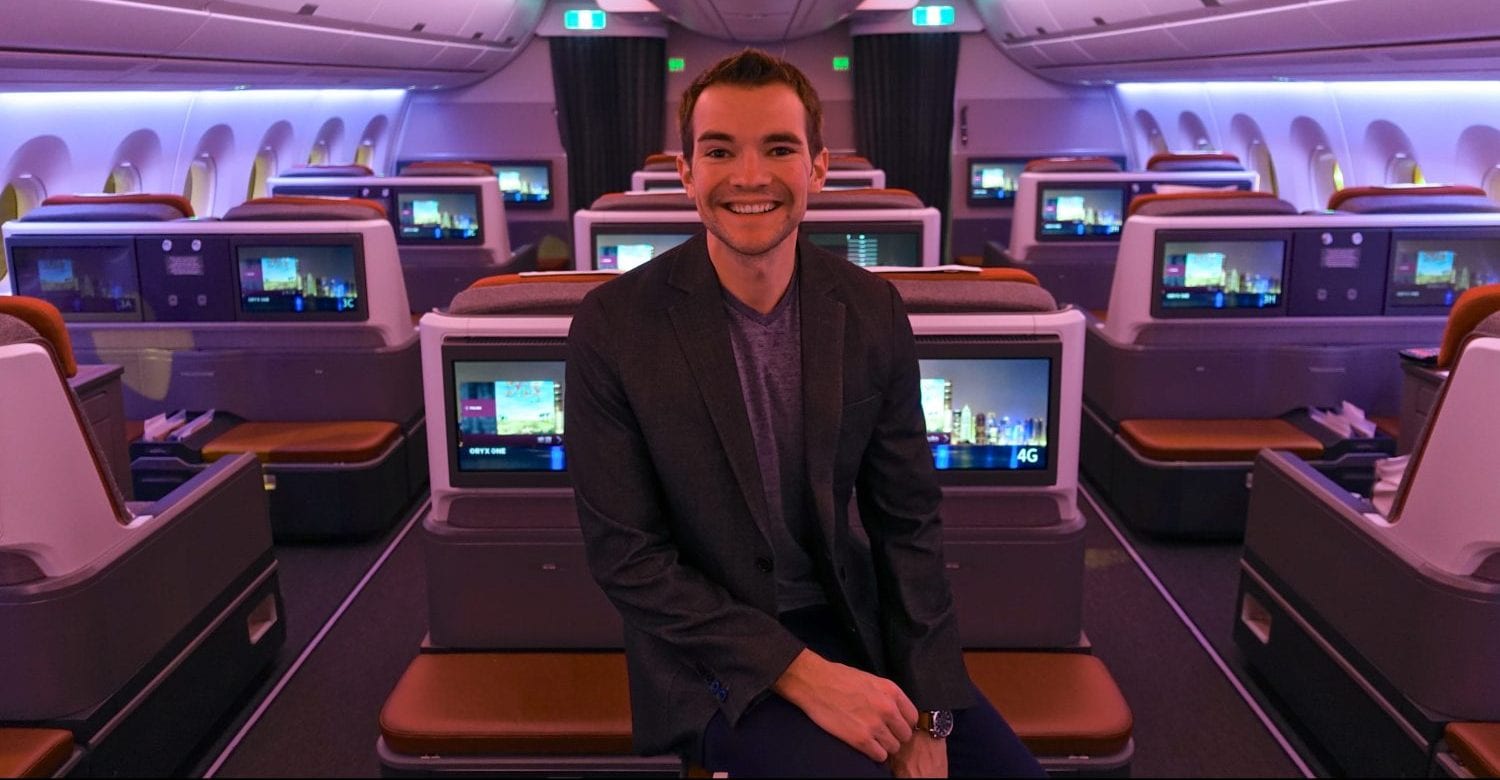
pixel 717 154
pixel 782 151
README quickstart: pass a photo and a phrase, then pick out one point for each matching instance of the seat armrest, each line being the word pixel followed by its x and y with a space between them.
pixel 1286 467
pixel 218 489
pixel 523 259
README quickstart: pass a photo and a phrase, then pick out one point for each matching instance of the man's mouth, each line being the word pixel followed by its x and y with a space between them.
pixel 751 208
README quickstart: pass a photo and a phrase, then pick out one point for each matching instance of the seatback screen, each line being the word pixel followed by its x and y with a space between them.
pixel 509 415
pixel 622 249
pixel 987 415
pixel 438 216
pixel 1429 273
pixel 869 244
pixel 87 281
pixel 300 281
pixel 1202 278
pixel 994 182
pixel 1080 213
pixel 525 185
pixel 848 183
pixel 673 184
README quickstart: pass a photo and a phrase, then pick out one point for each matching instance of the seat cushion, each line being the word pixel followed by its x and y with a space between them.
pixel 350 441
pixel 1216 440
pixel 33 752
pixel 1059 704
pixel 1476 746
pixel 510 703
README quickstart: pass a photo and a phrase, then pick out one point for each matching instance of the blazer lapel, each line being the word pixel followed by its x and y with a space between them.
pixel 822 380
pixel 702 329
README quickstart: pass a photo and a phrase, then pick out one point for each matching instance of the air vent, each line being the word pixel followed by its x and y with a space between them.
pixel 308 9
pixel 419 26
pixel 1099 20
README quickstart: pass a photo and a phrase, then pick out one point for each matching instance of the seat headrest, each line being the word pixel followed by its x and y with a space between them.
pixel 124 207
pixel 1074 164
pixel 26 319
pixel 982 290
pixel 661 161
pixel 864 199
pixel 1474 306
pixel 643 201
pixel 1413 199
pixel 303 171
pixel 1208 203
pixel 446 168
pixel 1194 161
pixel 849 162
pixel 530 293
pixel 309 208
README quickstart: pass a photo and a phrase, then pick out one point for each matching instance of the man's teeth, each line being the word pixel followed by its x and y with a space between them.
pixel 751 208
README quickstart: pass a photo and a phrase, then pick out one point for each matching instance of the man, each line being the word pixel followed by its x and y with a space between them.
pixel 723 401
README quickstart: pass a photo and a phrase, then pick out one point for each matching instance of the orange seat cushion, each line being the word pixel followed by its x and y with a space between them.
pixel 1390 426
pixel 991 274
pixel 1474 306
pixel 46 320
pixel 501 280
pixel 510 703
pixel 1477 747
pixel 352 441
pixel 33 752
pixel 1216 440
pixel 1059 704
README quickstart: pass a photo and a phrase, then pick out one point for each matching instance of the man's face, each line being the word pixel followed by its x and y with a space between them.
pixel 751 168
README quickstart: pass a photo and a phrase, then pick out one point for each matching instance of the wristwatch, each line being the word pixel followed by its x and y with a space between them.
pixel 937 723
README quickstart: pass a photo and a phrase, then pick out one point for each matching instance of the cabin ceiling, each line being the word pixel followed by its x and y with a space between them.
pixel 757 21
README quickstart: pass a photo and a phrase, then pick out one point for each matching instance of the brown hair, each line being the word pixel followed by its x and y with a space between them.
pixel 753 68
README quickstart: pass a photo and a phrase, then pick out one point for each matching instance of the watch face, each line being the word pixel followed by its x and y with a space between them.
pixel 942 723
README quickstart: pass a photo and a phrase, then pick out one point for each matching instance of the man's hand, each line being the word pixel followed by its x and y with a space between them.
pixel 868 713
pixel 921 756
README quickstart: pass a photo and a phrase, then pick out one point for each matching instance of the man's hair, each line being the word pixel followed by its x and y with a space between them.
pixel 753 68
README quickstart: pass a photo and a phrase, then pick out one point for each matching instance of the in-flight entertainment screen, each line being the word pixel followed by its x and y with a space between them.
pixel 89 281
pixel 1203 278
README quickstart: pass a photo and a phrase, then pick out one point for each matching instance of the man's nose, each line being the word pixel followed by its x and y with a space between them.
pixel 751 170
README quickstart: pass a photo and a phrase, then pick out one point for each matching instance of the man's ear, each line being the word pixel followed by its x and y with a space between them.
pixel 685 172
pixel 819 171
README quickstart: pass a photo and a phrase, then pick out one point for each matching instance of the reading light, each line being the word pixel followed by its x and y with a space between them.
pixel 584 19
pixel 932 16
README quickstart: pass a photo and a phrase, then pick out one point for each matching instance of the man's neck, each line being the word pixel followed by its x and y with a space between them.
pixel 758 281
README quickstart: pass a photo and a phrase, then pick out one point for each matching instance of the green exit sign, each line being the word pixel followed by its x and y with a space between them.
pixel 676 65
pixel 932 16
pixel 583 19
pixel 840 63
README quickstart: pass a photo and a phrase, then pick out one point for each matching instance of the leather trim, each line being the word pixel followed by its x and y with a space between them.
pixel 1476 746
pixel 352 441
pixel 47 321
pixel 174 200
pixel 1217 440
pixel 1472 307
pixel 26 752
pixel 1059 704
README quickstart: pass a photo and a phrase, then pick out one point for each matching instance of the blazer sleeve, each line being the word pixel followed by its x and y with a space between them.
pixel 628 539
pixel 898 504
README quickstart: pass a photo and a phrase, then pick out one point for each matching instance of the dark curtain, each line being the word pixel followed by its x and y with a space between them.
pixel 611 97
pixel 903 110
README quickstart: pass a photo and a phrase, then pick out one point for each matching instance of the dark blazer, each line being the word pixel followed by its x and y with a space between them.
pixel 669 490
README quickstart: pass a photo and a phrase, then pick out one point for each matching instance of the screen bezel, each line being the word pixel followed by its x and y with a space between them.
pixel 1009 202
pixel 1159 259
pixel 81 242
pixel 1041 196
pixel 1002 347
pixel 808 227
pixel 398 191
pixel 1425 234
pixel 529 205
pixel 694 228
pixel 465 350
pixel 361 312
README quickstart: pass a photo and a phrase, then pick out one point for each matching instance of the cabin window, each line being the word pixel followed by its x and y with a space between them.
pixel 261 172
pixel 199 186
pixel 364 153
pixel 318 155
pixel 1403 169
pixel 1259 157
pixel 124 178
pixel 1491 183
pixel 1327 176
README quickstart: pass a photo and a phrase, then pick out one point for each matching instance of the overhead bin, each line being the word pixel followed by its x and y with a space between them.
pixel 1108 40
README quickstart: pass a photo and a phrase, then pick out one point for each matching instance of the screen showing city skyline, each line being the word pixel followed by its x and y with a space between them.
pixel 317 279
pixel 524 185
pixel 509 415
pixel 1081 213
pixel 1434 272
pixel 95 282
pixel 1215 275
pixel 987 414
pixel 438 216
pixel 870 247
pixel 993 182
pixel 624 251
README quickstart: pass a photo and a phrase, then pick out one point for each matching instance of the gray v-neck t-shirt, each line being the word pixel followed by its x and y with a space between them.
pixel 768 353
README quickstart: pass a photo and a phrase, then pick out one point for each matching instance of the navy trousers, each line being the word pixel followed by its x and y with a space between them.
pixel 776 739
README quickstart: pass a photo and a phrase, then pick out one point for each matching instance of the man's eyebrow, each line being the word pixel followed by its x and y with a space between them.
pixel 716 135
pixel 783 138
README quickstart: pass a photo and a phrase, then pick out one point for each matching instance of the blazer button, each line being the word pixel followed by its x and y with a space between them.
pixel 764 564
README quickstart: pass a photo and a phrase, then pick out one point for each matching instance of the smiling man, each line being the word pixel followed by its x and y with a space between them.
pixel 724 402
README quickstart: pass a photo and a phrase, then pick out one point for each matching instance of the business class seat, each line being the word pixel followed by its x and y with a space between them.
pixel 1072 165
pixel 507 683
pixel 350 170
pixel 126 629
pixel 1194 161
pixel 1395 616
pixel 1413 199
pixel 328 398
